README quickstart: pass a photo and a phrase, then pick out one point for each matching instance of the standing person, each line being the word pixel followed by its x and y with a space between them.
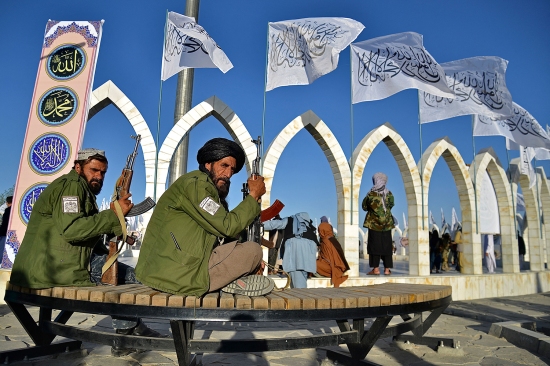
pixel 299 248
pixel 332 261
pixel 490 261
pixel 522 251
pixel 461 260
pixel 446 248
pixel 435 251
pixel 4 225
pixel 273 258
pixel 62 245
pixel 378 204
pixel 188 248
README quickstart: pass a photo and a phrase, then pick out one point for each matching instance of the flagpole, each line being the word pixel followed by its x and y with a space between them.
pixel 512 193
pixel 158 116
pixel 351 128
pixel 475 187
pixel 421 179
pixel 263 111
pixel 538 197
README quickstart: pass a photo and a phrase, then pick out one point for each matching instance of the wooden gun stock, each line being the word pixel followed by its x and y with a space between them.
pixel 124 182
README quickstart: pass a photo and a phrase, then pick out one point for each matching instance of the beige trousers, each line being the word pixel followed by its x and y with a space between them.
pixel 231 261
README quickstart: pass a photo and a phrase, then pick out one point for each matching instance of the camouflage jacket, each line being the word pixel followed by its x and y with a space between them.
pixel 377 219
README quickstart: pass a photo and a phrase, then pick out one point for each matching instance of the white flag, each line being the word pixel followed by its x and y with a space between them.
pixel 386 65
pixel 480 87
pixel 432 221
pixel 520 204
pixel 443 222
pixel 455 223
pixel 188 45
pixel 521 128
pixel 405 224
pixel 302 50
pixel 526 166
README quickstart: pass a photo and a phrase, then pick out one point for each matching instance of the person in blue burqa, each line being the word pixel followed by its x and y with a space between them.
pixel 299 247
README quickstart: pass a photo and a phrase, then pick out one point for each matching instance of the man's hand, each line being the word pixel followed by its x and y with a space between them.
pixel 256 186
pixel 125 204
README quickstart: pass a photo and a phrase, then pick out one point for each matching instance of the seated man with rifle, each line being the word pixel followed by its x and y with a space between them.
pixel 62 245
pixel 188 247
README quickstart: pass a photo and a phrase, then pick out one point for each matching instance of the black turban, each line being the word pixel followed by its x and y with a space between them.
pixel 220 148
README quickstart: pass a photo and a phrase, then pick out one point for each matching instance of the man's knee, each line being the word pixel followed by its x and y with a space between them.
pixel 253 251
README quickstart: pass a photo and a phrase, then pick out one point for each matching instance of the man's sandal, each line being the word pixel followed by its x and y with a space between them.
pixel 253 285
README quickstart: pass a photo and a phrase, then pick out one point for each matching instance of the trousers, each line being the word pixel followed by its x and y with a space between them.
pixel 231 261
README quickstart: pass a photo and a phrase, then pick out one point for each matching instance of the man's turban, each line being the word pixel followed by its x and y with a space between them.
pixel 220 148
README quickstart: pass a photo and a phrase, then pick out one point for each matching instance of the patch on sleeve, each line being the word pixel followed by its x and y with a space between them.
pixel 209 205
pixel 70 204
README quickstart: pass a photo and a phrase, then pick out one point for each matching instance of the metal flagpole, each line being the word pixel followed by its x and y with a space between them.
pixel 513 203
pixel 351 121
pixel 420 171
pixel 159 110
pixel 475 173
pixel 538 196
pixel 263 111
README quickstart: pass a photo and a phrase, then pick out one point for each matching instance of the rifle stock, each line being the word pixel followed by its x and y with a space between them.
pixel 109 271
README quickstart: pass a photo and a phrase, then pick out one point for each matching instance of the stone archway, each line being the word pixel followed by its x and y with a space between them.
pixel 213 106
pixel 340 169
pixel 418 240
pixel 472 245
pixel 487 160
pixel 535 242
pixel 109 93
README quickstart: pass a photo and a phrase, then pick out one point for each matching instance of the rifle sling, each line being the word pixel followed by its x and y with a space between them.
pixel 109 262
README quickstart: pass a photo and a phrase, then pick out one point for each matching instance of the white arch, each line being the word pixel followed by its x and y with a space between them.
pixel 535 242
pixel 213 106
pixel 109 93
pixel 487 160
pixel 340 169
pixel 418 239
pixel 459 170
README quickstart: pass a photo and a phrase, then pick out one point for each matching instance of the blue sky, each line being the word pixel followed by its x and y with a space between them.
pixel 130 56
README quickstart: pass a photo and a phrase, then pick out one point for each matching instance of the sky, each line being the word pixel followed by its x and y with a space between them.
pixel 130 56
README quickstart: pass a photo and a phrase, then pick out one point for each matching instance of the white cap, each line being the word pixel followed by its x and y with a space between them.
pixel 86 153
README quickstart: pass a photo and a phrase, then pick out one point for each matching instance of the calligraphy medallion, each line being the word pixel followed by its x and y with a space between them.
pixel 49 153
pixel 66 62
pixel 57 106
pixel 29 199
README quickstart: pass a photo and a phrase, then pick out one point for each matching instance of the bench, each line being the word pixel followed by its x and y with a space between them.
pixel 348 306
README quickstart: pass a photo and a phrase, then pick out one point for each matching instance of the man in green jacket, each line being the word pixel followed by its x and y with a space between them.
pixel 63 237
pixel 187 248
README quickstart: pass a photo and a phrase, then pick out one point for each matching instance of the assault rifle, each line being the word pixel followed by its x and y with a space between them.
pixel 254 232
pixel 125 180
pixel 109 271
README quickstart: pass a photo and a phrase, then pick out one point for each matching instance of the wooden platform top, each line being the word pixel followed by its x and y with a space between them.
pixel 290 299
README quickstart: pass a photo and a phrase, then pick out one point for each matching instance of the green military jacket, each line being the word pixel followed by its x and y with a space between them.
pixel 190 210
pixel 64 226
pixel 377 219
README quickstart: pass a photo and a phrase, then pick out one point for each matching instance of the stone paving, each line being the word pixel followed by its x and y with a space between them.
pixel 465 321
